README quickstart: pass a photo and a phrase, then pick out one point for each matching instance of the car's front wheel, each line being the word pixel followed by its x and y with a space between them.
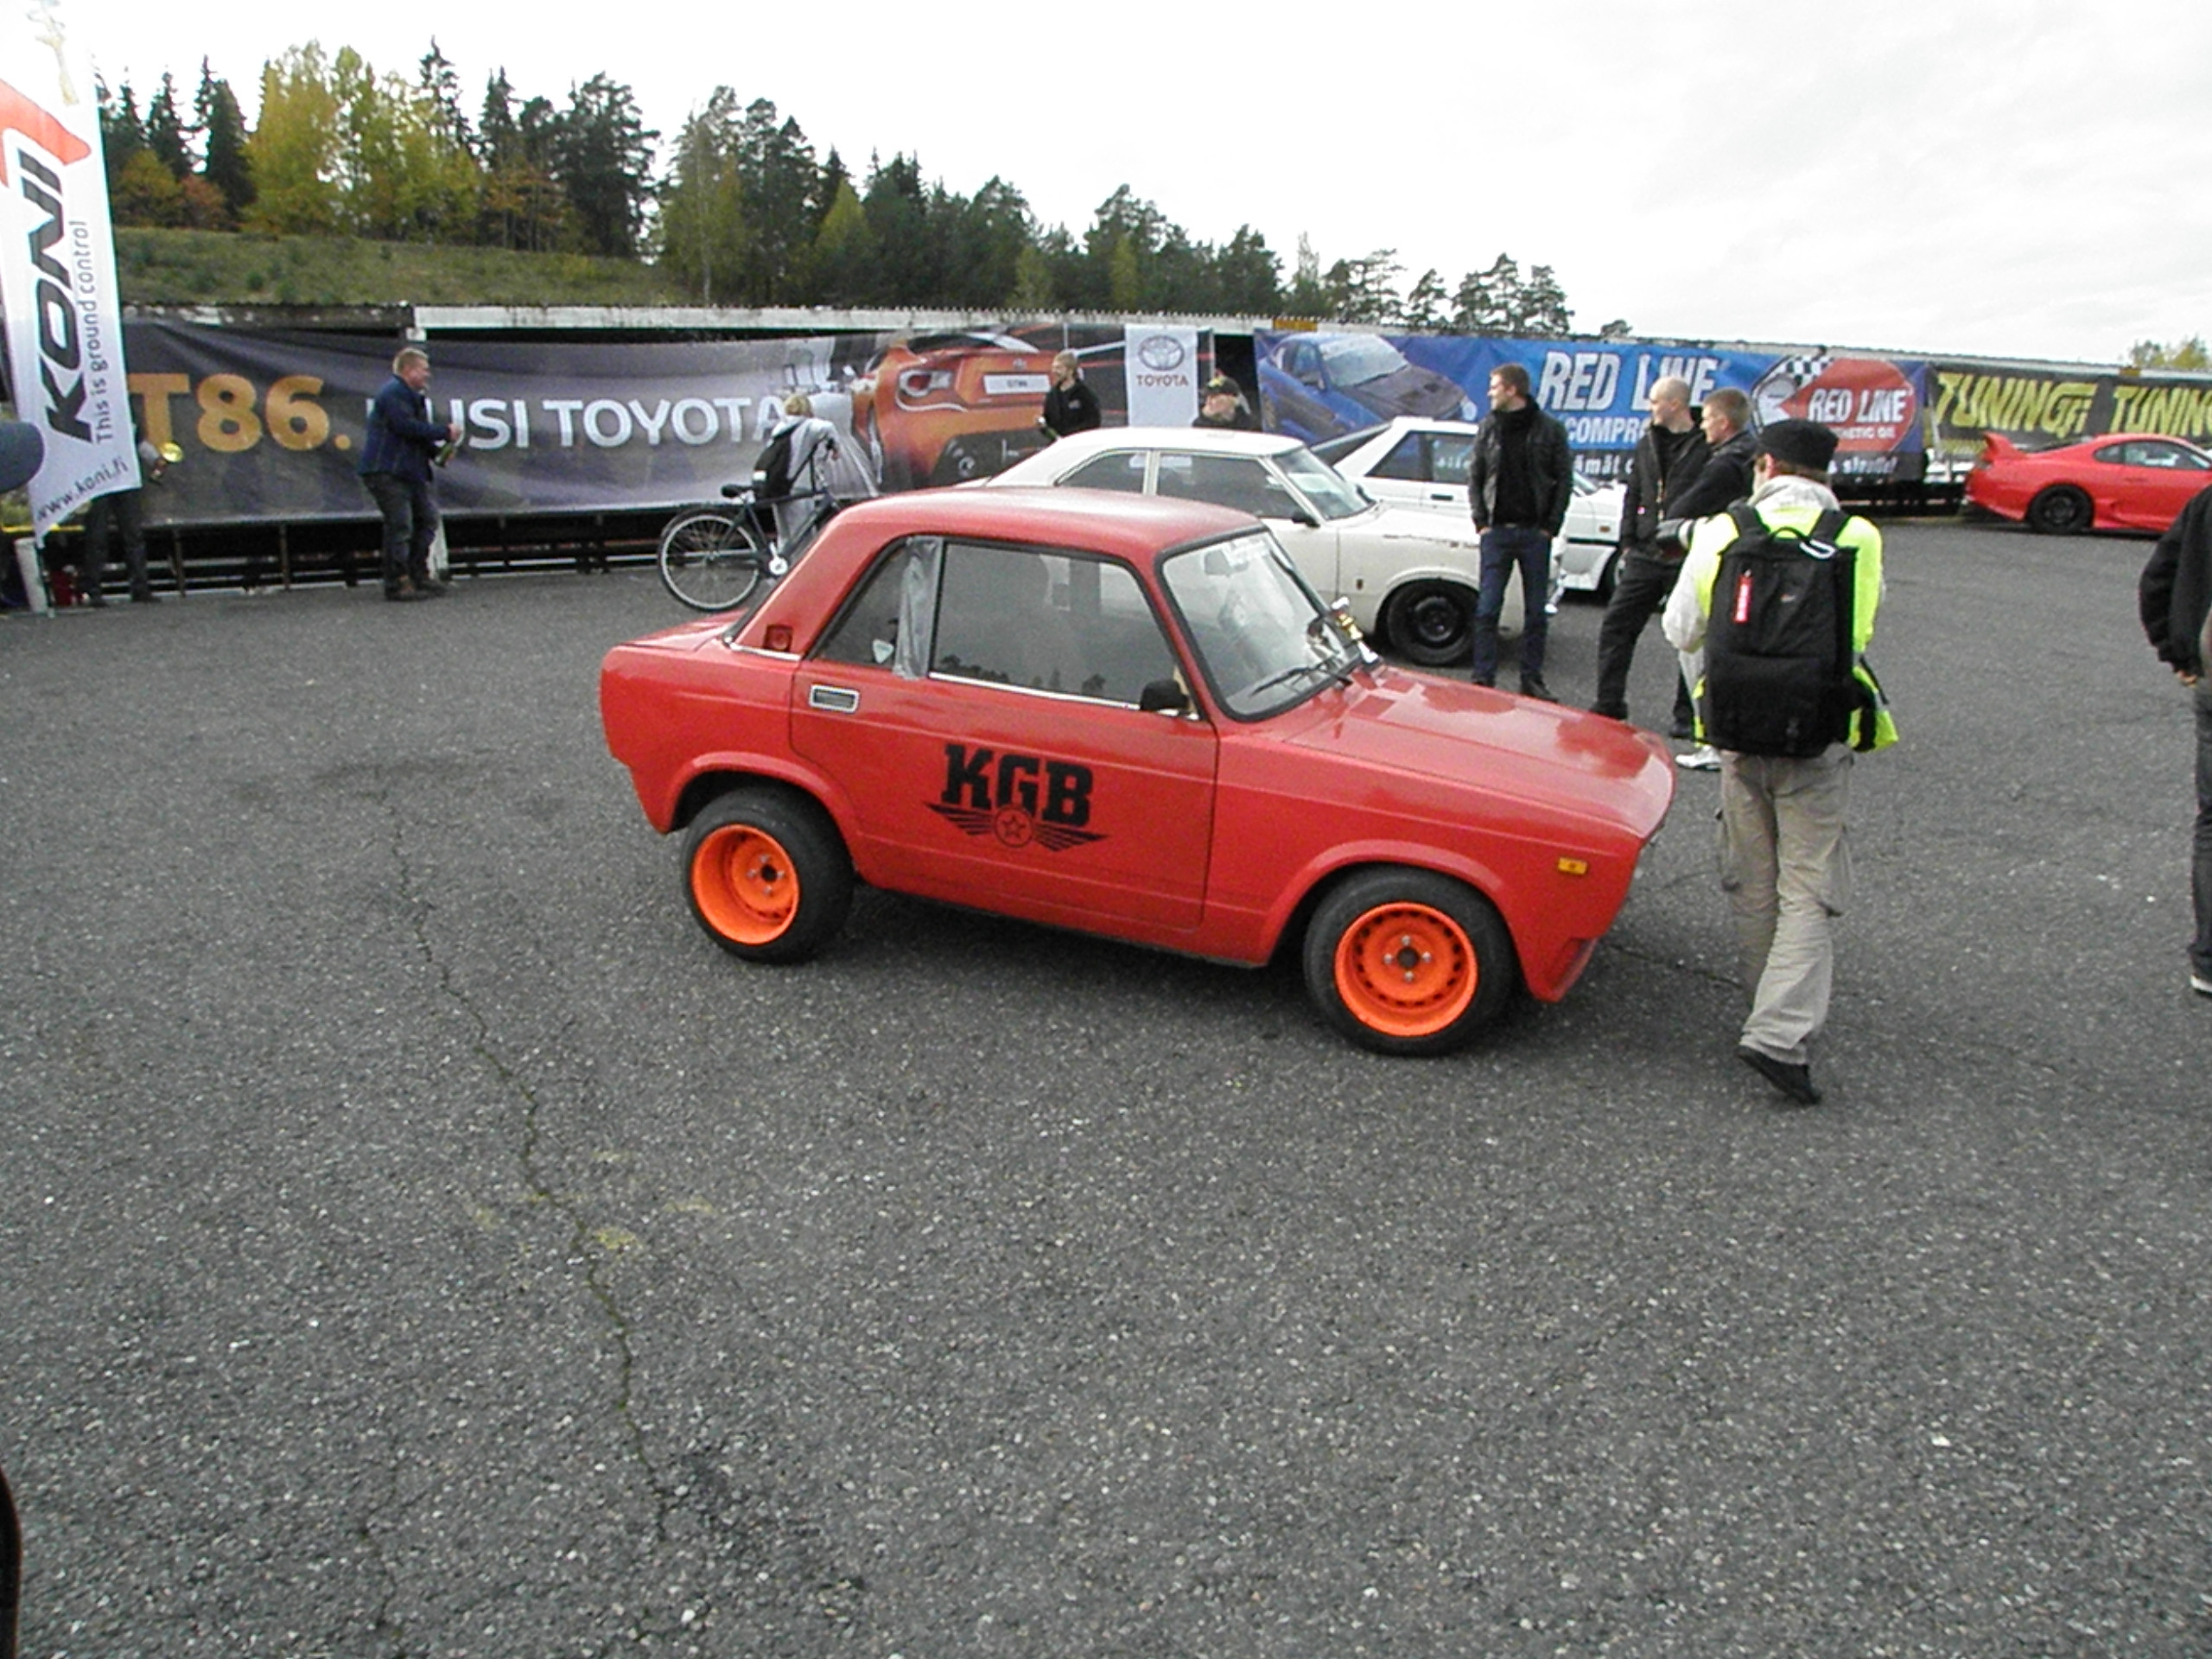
pixel 767 874
pixel 1431 623
pixel 1409 961
pixel 2062 510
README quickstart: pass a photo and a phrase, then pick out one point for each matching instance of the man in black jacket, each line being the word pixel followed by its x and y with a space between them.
pixel 1519 481
pixel 1668 458
pixel 1071 406
pixel 1725 421
pixel 2175 597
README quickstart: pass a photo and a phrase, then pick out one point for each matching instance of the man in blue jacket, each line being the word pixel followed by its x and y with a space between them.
pixel 395 468
pixel 2176 600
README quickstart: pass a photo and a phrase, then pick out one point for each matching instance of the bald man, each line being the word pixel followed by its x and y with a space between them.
pixel 1668 458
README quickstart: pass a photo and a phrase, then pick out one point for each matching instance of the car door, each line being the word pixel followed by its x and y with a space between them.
pixel 1249 484
pixel 1417 472
pixel 2157 479
pixel 976 706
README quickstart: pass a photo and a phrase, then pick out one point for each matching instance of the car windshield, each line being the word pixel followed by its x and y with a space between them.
pixel 1333 495
pixel 1263 640
pixel 1353 359
pixel 1333 450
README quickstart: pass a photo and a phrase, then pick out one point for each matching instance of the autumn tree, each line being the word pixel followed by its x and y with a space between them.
pixel 2186 353
pixel 703 229
pixel 293 150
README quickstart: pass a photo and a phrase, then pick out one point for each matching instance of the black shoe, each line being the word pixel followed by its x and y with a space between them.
pixel 1795 1081
pixel 98 601
pixel 1532 685
pixel 1490 681
pixel 1610 711
pixel 1685 731
pixel 405 593
pixel 149 597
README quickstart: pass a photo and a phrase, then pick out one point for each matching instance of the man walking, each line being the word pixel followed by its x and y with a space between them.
pixel 1668 458
pixel 2175 597
pixel 1786 700
pixel 395 469
pixel 1519 481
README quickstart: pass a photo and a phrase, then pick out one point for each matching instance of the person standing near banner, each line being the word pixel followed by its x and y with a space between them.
pixel 1071 406
pixel 124 512
pixel 1520 479
pixel 1222 405
pixel 1668 457
pixel 396 470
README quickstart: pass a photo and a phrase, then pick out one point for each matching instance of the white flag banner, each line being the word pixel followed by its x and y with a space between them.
pixel 57 265
pixel 1162 365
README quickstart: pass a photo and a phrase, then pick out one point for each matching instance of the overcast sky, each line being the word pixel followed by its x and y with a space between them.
pixel 2025 181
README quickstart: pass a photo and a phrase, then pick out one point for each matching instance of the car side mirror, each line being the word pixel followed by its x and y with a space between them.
pixel 1163 697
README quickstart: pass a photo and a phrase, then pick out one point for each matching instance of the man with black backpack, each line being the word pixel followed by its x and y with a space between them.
pixel 1779 594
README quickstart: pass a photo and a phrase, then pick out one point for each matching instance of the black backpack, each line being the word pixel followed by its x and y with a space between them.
pixel 772 469
pixel 1777 644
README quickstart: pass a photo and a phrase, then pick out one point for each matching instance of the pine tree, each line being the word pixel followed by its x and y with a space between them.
pixel 222 129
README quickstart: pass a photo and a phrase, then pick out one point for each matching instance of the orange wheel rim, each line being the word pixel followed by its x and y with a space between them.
pixel 1406 970
pixel 745 884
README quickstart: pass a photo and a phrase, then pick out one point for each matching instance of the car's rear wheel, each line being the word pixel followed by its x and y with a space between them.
pixel 2062 510
pixel 767 875
pixel 1409 961
pixel 1431 623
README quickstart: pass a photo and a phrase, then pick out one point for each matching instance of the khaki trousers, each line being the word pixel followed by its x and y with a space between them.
pixel 1786 868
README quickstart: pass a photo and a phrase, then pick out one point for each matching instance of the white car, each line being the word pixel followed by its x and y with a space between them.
pixel 1417 463
pixel 1410 577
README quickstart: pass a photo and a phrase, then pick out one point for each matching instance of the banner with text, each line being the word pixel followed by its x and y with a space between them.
pixel 57 269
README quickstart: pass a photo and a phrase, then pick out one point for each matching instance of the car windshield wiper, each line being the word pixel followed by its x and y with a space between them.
pixel 1337 668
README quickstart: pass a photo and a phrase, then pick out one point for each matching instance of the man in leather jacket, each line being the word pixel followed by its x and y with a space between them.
pixel 1668 458
pixel 1519 481
pixel 2175 597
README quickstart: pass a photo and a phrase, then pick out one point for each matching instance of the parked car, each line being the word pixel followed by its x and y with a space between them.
pixel 1409 577
pixel 1317 386
pixel 941 409
pixel 1424 464
pixel 1134 718
pixel 2123 480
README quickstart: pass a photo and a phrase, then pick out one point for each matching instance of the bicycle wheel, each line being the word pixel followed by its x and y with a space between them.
pixel 709 559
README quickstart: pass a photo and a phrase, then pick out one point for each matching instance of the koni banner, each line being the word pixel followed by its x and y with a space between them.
pixel 57 269
pixel 271 423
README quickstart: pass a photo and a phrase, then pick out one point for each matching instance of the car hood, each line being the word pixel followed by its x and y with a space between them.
pixel 1492 744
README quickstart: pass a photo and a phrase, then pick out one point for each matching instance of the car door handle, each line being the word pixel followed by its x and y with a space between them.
pixel 833 699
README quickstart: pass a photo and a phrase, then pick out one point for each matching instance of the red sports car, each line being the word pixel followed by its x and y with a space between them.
pixel 943 409
pixel 2123 480
pixel 1128 716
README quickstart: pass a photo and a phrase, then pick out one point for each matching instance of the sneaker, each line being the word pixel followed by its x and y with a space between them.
pixel 1794 1081
pixel 2200 984
pixel 1532 685
pixel 1704 758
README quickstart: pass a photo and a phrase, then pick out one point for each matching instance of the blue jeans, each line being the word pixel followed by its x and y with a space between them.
pixel 2200 953
pixel 1506 547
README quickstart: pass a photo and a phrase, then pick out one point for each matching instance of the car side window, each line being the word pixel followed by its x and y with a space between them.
pixel 1404 461
pixel 1450 457
pixel 1047 621
pixel 1237 481
pixel 1119 471
pixel 886 622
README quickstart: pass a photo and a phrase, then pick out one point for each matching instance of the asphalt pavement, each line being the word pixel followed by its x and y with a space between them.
pixel 416 1239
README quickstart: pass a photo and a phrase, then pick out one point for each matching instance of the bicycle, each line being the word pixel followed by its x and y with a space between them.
pixel 713 558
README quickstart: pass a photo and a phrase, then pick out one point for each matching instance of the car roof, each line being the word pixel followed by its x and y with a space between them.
pixel 1097 521
pixel 1200 440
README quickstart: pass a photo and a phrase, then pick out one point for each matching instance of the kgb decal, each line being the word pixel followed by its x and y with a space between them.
pixel 1019 798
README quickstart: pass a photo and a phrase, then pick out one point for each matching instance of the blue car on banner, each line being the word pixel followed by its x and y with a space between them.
pixel 1314 386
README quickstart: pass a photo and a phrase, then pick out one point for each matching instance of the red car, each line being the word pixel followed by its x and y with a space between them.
pixel 2123 480
pixel 1128 716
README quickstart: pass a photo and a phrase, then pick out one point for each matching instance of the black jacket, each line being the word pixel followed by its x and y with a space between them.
pixel 1726 477
pixel 2176 591
pixel 1652 490
pixel 1070 410
pixel 1551 471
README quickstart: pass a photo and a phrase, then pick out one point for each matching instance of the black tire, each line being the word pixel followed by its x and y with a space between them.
pixel 1431 623
pixel 2062 510
pixel 1409 961
pixel 711 559
pixel 767 874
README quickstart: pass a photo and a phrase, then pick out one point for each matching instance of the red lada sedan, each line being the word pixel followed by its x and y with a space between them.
pixel 1130 717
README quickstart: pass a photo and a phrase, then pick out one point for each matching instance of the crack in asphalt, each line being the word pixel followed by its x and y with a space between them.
pixel 583 1246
